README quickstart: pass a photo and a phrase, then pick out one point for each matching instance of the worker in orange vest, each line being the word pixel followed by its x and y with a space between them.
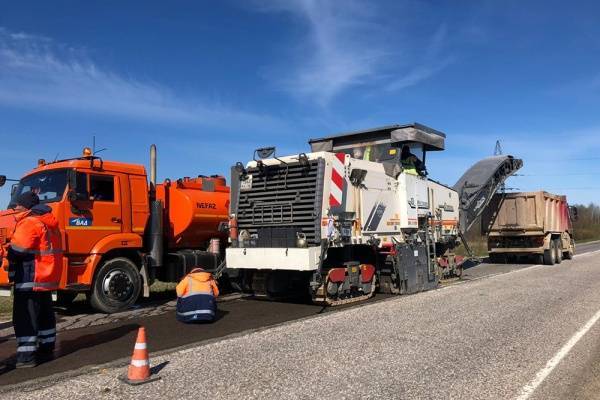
pixel 35 267
pixel 196 297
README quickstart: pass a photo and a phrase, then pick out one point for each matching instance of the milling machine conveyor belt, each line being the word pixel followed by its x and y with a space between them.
pixel 477 186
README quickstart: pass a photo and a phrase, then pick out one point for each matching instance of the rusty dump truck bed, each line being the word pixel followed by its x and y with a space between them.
pixel 526 213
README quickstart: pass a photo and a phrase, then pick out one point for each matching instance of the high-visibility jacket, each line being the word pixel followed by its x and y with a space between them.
pixel 196 297
pixel 409 165
pixel 35 254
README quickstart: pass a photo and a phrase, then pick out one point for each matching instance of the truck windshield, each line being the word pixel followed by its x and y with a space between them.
pixel 48 185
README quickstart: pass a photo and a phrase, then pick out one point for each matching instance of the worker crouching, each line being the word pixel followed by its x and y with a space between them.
pixel 196 297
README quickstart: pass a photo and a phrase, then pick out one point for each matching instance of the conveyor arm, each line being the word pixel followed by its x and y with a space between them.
pixel 477 186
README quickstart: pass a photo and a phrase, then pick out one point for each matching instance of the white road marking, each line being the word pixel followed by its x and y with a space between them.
pixel 528 389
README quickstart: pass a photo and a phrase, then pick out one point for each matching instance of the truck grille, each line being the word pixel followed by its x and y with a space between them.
pixel 286 196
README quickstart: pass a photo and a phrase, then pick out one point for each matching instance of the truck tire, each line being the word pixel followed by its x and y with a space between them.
pixel 117 286
pixel 568 255
pixel 559 250
pixel 550 254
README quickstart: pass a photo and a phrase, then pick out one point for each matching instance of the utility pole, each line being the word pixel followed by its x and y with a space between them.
pixel 498 152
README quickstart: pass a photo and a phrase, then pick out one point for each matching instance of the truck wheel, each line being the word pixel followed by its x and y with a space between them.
pixel 559 251
pixel 568 255
pixel 117 286
pixel 550 254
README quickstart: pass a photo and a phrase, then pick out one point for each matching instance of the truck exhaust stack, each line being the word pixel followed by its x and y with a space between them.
pixel 155 233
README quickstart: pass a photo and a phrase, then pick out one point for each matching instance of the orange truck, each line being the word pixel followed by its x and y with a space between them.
pixel 120 229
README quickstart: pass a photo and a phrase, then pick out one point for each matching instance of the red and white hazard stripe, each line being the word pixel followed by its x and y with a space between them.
pixel 336 192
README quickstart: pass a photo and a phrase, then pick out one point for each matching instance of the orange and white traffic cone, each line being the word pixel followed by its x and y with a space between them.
pixel 139 368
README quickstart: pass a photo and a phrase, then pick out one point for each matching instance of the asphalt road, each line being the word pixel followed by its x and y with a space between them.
pixel 483 337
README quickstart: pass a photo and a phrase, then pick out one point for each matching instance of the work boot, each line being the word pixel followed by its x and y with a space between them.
pixel 45 354
pixel 26 364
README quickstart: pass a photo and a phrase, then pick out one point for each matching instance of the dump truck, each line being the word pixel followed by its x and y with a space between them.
pixel 537 224
pixel 347 219
pixel 121 229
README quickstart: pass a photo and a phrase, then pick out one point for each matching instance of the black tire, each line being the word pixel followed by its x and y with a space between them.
pixel 496 258
pixel 568 255
pixel 65 298
pixel 559 251
pixel 550 254
pixel 116 286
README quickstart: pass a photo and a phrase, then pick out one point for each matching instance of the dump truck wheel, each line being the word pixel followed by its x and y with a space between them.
pixel 568 255
pixel 559 251
pixel 550 254
pixel 117 286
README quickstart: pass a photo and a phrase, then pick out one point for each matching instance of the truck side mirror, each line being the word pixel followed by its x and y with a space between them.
pixel 2 180
pixel 75 193
pixel 573 213
pixel 72 179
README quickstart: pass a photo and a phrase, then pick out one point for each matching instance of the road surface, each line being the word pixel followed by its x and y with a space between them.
pixel 501 332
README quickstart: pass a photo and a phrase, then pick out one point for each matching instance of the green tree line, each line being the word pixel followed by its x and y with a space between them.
pixel 587 225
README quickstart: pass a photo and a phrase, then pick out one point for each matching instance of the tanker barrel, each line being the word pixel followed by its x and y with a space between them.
pixel 155 234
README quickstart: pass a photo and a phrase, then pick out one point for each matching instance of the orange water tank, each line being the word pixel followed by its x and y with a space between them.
pixel 194 210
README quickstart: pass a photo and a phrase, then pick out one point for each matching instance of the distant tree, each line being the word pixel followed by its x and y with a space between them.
pixel 587 225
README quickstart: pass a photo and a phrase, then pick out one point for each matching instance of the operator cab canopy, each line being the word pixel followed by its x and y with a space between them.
pixel 383 144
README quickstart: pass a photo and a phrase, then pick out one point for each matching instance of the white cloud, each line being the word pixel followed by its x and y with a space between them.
pixel 432 62
pixel 36 72
pixel 352 44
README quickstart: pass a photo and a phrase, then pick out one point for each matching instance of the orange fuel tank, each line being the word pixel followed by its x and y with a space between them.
pixel 194 209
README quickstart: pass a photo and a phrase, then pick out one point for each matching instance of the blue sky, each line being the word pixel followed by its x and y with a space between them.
pixel 210 81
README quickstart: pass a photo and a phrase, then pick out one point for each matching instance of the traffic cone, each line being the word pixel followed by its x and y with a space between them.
pixel 139 368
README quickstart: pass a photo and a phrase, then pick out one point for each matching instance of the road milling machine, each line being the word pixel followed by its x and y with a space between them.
pixel 346 219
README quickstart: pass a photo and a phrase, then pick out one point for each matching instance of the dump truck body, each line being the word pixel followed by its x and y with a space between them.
pixel 529 223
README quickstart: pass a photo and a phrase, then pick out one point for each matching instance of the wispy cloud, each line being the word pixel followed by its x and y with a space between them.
pixel 352 44
pixel 432 62
pixel 36 72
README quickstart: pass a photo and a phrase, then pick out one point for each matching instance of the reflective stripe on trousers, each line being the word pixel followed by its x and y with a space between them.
pixel 47 336
pixel 196 312
pixel 26 344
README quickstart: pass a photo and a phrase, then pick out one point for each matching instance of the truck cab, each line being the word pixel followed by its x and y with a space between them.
pixel 102 208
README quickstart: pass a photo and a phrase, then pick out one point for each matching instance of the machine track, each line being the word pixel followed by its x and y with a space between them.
pixel 332 303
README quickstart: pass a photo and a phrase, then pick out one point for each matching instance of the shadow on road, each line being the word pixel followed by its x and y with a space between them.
pixel 69 346
pixel 66 347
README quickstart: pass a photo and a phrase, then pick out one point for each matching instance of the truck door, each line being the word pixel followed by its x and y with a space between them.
pixel 97 217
